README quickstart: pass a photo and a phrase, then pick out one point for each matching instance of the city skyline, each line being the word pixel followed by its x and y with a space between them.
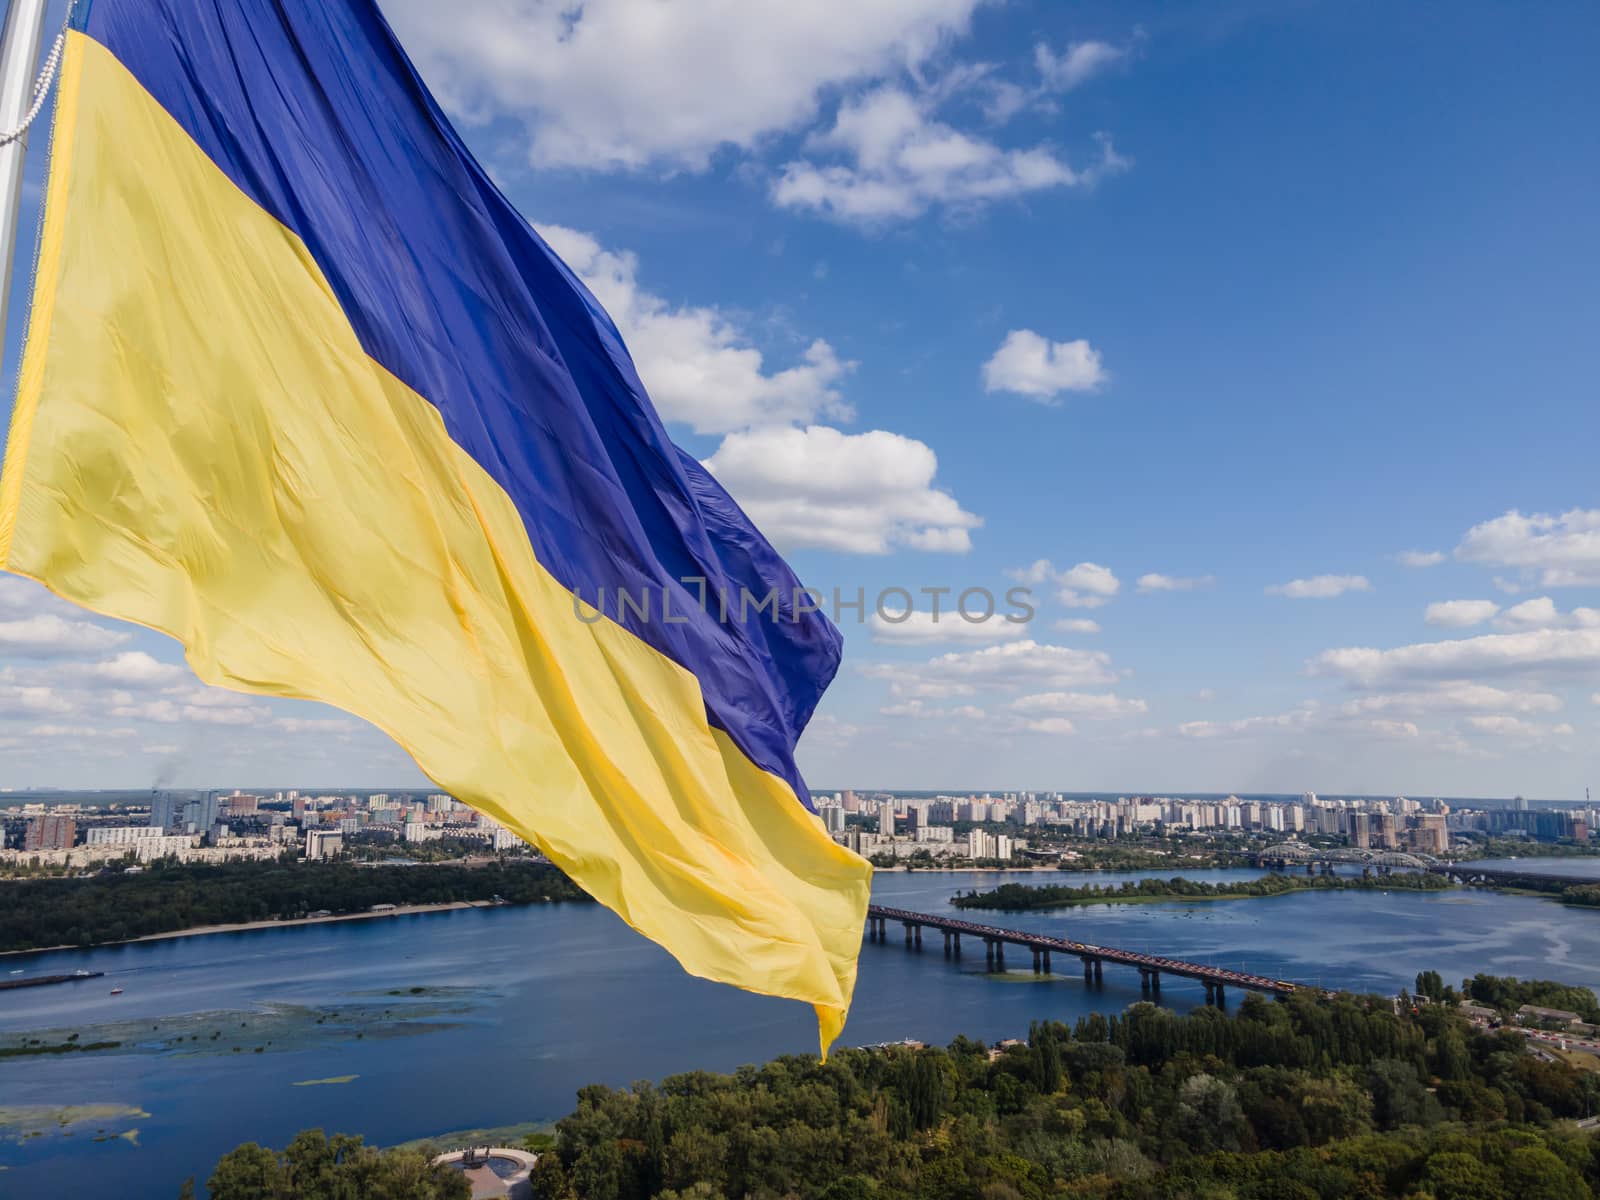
pixel 1296 467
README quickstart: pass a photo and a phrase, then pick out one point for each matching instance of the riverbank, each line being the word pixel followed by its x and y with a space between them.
pixel 1012 897
pixel 174 898
pixel 398 910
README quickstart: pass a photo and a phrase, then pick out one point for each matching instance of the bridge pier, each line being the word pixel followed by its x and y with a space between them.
pixel 995 938
pixel 1311 868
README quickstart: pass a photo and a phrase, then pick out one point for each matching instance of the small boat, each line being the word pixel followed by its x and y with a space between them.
pixel 80 973
pixel 116 991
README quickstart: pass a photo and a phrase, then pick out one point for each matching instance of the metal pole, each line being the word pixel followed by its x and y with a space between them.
pixel 19 61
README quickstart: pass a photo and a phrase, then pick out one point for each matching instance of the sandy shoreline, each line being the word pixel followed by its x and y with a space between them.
pixel 400 910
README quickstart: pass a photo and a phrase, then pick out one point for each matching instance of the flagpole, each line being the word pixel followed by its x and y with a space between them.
pixel 19 60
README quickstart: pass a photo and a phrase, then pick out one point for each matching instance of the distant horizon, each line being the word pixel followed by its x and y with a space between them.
pixel 9 797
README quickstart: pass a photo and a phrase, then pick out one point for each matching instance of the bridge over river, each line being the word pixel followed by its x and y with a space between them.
pixel 1151 967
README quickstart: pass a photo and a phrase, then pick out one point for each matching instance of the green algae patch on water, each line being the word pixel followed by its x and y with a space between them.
pixel 267 1028
pixel 21 1123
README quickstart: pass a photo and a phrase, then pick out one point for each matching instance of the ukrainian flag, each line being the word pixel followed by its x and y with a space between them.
pixel 302 390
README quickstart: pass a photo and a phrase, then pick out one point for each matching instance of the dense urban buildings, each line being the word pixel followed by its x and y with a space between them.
pixel 983 828
pixel 961 827
pixel 214 826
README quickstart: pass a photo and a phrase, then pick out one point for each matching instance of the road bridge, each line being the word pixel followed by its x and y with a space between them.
pixel 1151 967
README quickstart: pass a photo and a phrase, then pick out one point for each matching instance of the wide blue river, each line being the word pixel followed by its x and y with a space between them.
pixel 406 1027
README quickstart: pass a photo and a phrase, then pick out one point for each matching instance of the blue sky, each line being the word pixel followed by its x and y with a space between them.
pixel 1237 295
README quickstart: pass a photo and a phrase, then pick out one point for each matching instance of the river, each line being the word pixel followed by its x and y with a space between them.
pixel 410 1026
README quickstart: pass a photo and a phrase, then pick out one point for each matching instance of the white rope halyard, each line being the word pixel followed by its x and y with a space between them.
pixel 42 85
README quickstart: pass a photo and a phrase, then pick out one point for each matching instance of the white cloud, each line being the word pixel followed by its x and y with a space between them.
pixel 922 627
pixel 1420 558
pixel 1539 652
pixel 46 635
pixel 1320 587
pixel 698 367
pixel 1009 665
pixel 916 708
pixel 863 493
pixel 1458 614
pixel 1595 699
pixel 1563 551
pixel 65 731
pixel 131 668
pixel 337 725
pixel 1305 719
pixel 629 83
pixel 1079 63
pixel 1542 613
pixel 1504 726
pixel 903 687
pixel 1455 697
pixel 1085 704
pixel 1077 625
pixel 888 158
pixel 22 595
pixel 1031 365
pixel 1296 719
pixel 1087 585
pixel 1035 573
pixel 1054 726
pixel 1154 582
pixel 32 700
pixel 197 705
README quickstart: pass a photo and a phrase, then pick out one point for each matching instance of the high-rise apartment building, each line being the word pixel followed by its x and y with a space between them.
pixel 50 833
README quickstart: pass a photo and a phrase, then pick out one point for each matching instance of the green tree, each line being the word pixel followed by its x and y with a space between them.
pixel 1456 1175
pixel 248 1172
pixel 1533 1173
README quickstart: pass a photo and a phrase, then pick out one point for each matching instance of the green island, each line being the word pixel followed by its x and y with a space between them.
pixel 1017 897
pixel 170 897
pixel 1305 1099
